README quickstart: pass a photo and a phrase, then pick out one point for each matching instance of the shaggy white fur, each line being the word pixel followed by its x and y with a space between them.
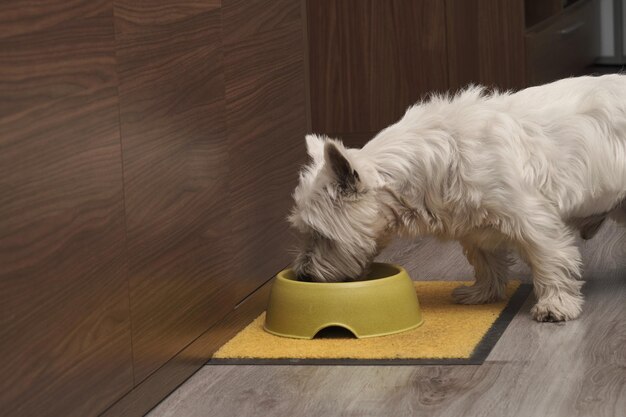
pixel 496 171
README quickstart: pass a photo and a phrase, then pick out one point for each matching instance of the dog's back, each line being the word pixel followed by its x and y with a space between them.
pixel 566 140
pixel 578 125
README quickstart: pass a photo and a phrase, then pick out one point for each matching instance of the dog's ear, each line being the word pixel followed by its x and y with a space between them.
pixel 315 147
pixel 340 167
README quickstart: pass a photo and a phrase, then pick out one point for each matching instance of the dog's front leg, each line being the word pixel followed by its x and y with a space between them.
pixel 548 245
pixel 491 269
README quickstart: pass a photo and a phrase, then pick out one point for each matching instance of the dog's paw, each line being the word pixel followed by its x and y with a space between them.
pixel 561 307
pixel 474 295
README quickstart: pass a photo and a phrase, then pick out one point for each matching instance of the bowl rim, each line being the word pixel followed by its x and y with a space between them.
pixel 350 284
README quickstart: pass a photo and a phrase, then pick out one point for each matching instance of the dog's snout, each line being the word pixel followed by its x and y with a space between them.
pixel 304 277
pixel 302 274
pixel 301 267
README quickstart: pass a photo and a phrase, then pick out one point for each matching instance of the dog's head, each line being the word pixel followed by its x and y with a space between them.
pixel 337 212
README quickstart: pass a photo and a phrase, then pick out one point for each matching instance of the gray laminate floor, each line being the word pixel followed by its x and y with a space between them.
pixel 569 370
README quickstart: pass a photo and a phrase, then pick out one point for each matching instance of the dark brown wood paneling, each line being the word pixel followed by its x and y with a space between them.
pixel 176 174
pixel 18 18
pixel 371 59
pixel 266 122
pixel 307 66
pixel 486 43
pixel 158 385
pixel 65 345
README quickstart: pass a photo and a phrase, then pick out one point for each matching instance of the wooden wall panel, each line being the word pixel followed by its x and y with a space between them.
pixel 146 168
pixel 266 123
pixel 370 60
pixel 166 379
pixel 65 346
pixel 176 172
pixel 486 43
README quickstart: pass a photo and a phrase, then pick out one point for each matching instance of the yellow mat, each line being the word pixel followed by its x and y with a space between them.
pixel 460 333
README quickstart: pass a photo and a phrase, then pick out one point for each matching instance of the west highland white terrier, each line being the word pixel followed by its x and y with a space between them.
pixel 521 171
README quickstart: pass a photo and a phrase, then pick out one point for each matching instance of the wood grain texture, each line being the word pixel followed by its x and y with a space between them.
pixel 36 16
pixel 371 59
pixel 67 184
pixel 65 344
pixel 576 369
pixel 266 122
pixel 176 172
pixel 485 40
pixel 158 385
pixel 307 65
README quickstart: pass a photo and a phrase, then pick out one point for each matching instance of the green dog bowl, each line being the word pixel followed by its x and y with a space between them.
pixel 384 303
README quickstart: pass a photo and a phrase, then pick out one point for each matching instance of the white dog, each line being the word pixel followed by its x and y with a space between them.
pixel 496 171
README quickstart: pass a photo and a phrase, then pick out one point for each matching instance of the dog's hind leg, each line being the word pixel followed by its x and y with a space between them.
pixel 549 246
pixel 491 269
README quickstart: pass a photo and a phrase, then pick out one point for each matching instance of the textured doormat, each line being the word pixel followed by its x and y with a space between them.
pixel 451 334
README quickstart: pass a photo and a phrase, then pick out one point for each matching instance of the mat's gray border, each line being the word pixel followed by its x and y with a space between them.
pixel 479 355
